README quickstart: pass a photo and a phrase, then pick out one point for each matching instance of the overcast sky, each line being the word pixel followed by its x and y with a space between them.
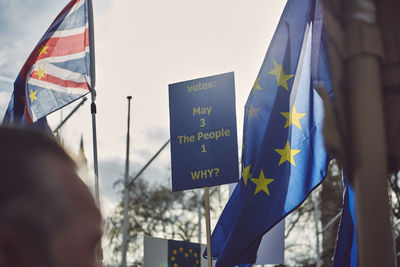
pixel 141 47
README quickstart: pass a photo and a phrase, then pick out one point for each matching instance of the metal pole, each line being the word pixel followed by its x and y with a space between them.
pixel 208 227
pixel 337 216
pixel 316 215
pixel 367 136
pixel 93 110
pixel 126 192
pixel 147 164
pixel 199 203
pixel 70 114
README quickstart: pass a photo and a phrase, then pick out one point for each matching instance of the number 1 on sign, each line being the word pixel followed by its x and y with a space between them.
pixel 204 148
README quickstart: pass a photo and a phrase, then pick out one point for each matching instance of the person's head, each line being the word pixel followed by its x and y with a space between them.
pixel 47 214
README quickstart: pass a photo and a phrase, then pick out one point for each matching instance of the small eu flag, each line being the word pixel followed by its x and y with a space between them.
pixel 160 252
pixel 57 72
pixel 183 254
pixel 283 156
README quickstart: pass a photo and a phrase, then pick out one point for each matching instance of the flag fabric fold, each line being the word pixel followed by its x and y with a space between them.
pixel 57 72
pixel 283 155
pixel 346 252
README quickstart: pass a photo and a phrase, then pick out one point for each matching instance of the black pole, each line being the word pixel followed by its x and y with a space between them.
pixel 147 164
pixel 126 192
pixel 70 114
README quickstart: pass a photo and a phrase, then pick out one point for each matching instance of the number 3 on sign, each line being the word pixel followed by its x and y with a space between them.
pixel 204 148
pixel 202 122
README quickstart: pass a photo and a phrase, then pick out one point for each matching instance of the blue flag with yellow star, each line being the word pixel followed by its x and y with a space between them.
pixel 183 253
pixel 283 156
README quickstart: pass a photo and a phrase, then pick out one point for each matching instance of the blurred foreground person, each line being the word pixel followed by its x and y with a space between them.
pixel 48 217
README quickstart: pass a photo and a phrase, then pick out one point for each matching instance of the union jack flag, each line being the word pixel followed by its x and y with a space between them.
pixel 57 72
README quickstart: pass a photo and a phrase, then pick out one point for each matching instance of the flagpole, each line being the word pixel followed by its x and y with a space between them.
pixel 126 193
pixel 366 121
pixel 93 110
pixel 147 164
pixel 199 202
pixel 208 227
pixel 93 104
pixel 69 115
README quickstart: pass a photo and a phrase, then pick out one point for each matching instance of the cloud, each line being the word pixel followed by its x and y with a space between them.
pixel 6 79
pixel 4 99
pixel 112 169
pixel 157 133
pixel 3 55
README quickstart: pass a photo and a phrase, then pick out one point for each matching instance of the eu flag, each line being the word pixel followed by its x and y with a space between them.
pixel 346 252
pixel 183 253
pixel 283 156
pixel 57 72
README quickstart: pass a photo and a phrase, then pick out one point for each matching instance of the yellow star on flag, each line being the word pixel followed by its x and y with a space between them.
pixel 293 117
pixel 252 112
pixel 32 95
pixel 280 75
pixel 287 154
pixel 256 85
pixel 246 174
pixel 40 73
pixel 262 183
pixel 43 50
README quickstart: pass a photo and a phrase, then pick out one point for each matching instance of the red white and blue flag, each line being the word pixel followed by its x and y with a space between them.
pixel 57 72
